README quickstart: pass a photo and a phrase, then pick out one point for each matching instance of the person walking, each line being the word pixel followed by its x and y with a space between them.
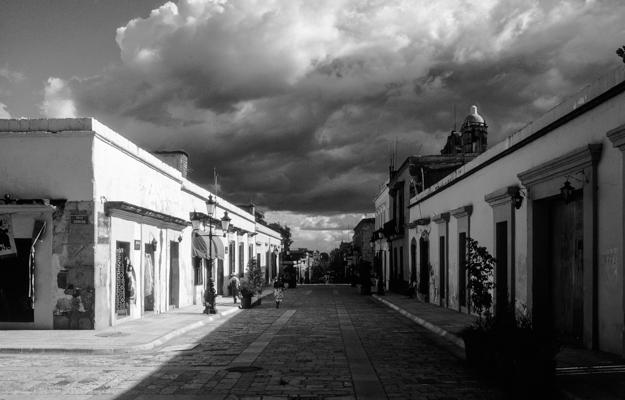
pixel 235 287
pixel 278 291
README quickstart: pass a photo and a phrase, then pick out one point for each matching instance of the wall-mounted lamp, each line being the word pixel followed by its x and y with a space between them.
pixel 425 235
pixel 566 191
pixel 225 222
pixel 179 238
pixel 154 243
pixel 517 198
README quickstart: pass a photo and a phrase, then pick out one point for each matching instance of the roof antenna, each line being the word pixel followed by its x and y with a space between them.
pixel 455 120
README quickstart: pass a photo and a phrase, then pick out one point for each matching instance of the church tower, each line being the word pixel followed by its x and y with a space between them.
pixel 472 138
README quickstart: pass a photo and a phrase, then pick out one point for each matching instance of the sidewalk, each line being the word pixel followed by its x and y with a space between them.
pixel 582 374
pixel 127 337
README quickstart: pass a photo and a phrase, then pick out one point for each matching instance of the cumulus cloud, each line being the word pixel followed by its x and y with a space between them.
pixel 298 103
pixel 58 102
pixel 4 113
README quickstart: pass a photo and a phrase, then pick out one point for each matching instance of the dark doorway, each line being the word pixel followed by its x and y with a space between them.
pixel 220 277
pixel 231 250
pixel 122 252
pixel 424 271
pixel 462 269
pixel 442 273
pixel 501 273
pixel 413 260
pixel 566 275
pixel 15 303
pixel 148 277
pixel 174 274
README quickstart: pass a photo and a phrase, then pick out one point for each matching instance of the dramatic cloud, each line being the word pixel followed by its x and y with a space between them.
pixel 297 104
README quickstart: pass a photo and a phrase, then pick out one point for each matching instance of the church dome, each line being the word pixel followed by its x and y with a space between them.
pixel 473 116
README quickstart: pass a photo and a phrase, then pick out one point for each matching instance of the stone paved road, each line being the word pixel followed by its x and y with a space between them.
pixel 325 342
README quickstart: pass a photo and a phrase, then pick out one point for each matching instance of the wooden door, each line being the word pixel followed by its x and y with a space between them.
pixel 174 275
pixel 424 265
pixel 566 272
pixel 501 271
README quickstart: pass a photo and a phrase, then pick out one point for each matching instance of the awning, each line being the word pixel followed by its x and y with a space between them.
pixel 202 244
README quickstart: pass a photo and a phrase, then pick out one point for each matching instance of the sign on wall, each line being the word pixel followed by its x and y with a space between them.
pixel 7 242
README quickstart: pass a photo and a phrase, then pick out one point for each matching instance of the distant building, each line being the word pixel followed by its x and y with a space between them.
pixel 362 243
pixel 413 176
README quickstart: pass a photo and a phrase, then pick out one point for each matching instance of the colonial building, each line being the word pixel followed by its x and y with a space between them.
pixel 413 176
pixel 381 248
pixel 362 241
pixel 547 202
pixel 95 230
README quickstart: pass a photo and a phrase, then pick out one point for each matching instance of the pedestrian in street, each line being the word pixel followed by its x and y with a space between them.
pixel 235 287
pixel 278 291
pixel 412 289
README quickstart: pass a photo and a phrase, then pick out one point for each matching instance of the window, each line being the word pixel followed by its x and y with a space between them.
pixel 462 266
pixel 241 264
pixel 197 271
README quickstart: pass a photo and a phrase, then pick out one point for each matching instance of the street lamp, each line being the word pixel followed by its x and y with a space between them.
pixel 209 292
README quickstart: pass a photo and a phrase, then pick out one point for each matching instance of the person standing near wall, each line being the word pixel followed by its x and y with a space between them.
pixel 235 287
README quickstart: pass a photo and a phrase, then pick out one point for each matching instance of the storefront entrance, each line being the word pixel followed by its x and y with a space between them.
pixel 15 303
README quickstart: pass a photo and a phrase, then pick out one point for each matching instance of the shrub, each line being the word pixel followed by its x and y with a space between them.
pixel 255 275
pixel 480 266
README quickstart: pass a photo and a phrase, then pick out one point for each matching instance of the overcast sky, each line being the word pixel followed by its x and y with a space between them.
pixel 297 103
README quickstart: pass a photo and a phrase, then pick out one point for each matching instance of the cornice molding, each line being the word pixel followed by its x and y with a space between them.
pixel 617 137
pixel 463 211
pixel 440 218
pixel 501 196
pixel 569 163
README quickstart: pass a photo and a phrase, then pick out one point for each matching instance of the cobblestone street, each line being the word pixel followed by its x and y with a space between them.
pixel 325 342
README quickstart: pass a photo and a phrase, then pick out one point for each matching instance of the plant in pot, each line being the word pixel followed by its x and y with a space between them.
pixel 255 276
pixel 247 292
pixel 478 337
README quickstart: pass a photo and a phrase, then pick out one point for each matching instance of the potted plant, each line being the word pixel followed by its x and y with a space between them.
pixel 255 277
pixel 247 292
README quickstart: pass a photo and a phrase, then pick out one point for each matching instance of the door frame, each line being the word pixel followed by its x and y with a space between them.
pixel 544 181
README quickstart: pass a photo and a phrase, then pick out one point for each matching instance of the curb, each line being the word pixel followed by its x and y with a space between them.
pixel 427 325
pixel 129 349
pixel 132 348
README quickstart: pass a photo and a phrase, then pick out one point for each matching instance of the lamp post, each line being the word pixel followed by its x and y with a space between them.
pixel 209 291
pixel 196 221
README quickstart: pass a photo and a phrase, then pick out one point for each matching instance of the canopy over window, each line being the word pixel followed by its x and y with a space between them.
pixel 202 244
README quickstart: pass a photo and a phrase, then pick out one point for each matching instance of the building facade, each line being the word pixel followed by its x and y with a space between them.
pixel 362 241
pixel 547 203
pixel 98 230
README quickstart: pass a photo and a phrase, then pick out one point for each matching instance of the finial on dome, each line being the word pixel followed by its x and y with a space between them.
pixel 474 116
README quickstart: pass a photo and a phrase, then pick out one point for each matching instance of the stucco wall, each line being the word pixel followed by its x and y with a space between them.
pixel 72 266
pixel 587 128
pixel 45 165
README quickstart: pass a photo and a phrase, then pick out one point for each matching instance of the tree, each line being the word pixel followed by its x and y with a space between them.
pixel 285 232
